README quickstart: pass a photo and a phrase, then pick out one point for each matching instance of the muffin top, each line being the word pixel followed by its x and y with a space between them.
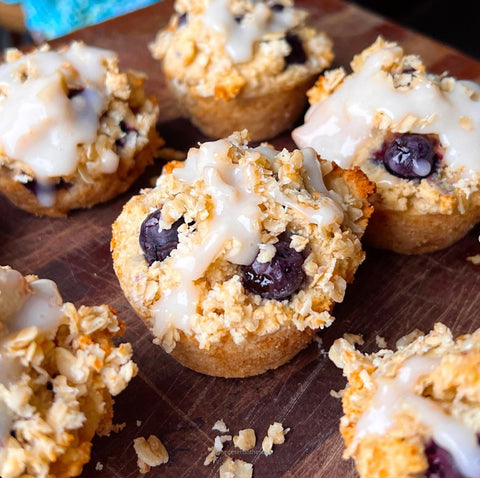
pixel 415 409
pixel 217 225
pixel 391 108
pixel 225 48
pixel 53 359
pixel 62 112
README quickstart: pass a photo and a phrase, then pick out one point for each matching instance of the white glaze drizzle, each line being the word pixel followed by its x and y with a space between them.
pixel 39 124
pixel 235 219
pixel 337 126
pixel 41 307
pixel 393 395
pixel 240 37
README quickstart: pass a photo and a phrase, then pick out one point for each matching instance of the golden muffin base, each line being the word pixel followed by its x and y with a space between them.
pixel 81 194
pixel 264 116
pixel 254 356
pixel 408 232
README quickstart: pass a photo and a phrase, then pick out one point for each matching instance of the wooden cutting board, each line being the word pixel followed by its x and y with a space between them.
pixel 391 295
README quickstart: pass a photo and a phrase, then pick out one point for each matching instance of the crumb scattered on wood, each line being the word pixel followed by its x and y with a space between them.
pixel 118 427
pixel 220 426
pixel 139 423
pixel 149 452
pixel 353 339
pixel 275 436
pixel 475 260
pixel 245 440
pixel 236 469
pixel 216 449
pixel 381 342
pixel 336 394
pixel 98 466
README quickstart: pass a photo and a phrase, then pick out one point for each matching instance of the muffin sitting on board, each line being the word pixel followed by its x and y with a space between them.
pixel 415 134
pixel 235 64
pixel 58 372
pixel 414 412
pixel 238 255
pixel 74 130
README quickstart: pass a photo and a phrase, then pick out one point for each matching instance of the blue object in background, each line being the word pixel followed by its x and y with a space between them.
pixel 53 18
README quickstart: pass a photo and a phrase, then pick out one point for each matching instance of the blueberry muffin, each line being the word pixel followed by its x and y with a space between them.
pixel 413 412
pixel 415 134
pixel 59 371
pixel 74 130
pixel 234 64
pixel 238 255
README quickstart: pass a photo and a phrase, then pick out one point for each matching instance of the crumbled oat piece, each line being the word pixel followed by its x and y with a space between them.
pixel 275 436
pixel 381 342
pixel 236 469
pixel 335 394
pixel 277 433
pixel 118 427
pixel 220 426
pixel 150 453
pixel 216 449
pixel 98 466
pixel 354 339
pixel 475 260
pixel 245 440
pixel 267 445
pixel 139 423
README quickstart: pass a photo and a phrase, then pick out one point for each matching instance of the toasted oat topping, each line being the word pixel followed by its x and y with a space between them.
pixel 56 392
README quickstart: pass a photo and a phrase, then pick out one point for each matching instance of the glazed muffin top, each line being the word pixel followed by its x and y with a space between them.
pixel 390 104
pixel 225 48
pixel 69 112
pixel 416 409
pixel 214 225
pixel 54 359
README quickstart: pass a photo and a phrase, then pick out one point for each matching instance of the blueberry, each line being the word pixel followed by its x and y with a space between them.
pixel 126 128
pixel 410 156
pixel 182 19
pixel 278 279
pixel 74 92
pixel 158 244
pixel 297 54
pixel 277 7
pixel 440 462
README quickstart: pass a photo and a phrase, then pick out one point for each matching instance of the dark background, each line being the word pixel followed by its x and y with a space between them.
pixel 455 23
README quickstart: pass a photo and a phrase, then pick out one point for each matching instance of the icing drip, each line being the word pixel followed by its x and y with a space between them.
pixel 337 126
pixel 393 395
pixel 37 305
pixel 39 124
pixel 240 37
pixel 235 220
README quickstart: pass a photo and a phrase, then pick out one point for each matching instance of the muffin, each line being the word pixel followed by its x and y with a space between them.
pixel 59 371
pixel 74 130
pixel 234 64
pixel 238 255
pixel 415 134
pixel 413 412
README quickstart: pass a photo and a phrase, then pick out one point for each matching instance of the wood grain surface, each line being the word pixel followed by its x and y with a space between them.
pixel 391 295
